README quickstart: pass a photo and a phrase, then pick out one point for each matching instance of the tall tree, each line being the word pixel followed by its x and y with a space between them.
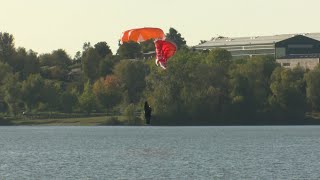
pixel 87 99
pixel 90 64
pixel 103 49
pixel 176 37
pixel 77 57
pixel 17 62
pixel 86 46
pixel 31 64
pixel 7 48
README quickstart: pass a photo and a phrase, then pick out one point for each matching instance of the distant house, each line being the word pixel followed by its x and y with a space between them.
pixel 305 61
pixel 75 73
pixel 149 55
pixel 286 46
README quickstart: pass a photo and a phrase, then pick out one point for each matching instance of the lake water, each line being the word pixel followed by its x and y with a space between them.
pixel 244 152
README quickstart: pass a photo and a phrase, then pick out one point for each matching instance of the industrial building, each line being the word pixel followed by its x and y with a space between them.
pixel 289 49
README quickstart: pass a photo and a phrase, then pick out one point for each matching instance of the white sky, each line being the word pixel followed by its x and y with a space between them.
pixel 47 25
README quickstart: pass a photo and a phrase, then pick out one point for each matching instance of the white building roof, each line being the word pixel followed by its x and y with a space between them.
pixel 255 40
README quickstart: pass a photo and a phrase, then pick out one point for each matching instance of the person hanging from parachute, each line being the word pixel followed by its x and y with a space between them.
pixel 147 112
pixel 164 48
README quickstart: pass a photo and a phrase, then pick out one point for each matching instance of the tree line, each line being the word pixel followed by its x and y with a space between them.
pixel 198 88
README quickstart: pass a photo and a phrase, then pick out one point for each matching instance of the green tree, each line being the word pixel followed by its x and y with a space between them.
pixel 86 46
pixel 147 46
pixel 218 56
pixel 113 91
pixel 132 77
pixel 87 99
pixel 7 48
pixel 129 50
pixel 25 63
pixel 17 60
pixel 313 88
pixel 56 58
pixel 249 88
pixel 99 91
pixel 189 92
pixel 68 101
pixel 32 91
pixel 77 57
pixel 176 37
pixel 103 49
pixel 12 93
pixel 50 95
pixel 130 115
pixel 288 98
pixel 5 70
pixel 108 91
pixel 55 65
pixel 5 73
pixel 39 94
pixel 90 64
pixel 106 66
pixel 30 65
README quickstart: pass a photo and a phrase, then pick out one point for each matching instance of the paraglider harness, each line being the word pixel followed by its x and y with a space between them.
pixel 147 112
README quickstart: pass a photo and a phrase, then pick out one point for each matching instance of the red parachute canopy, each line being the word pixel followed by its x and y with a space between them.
pixel 164 50
pixel 142 34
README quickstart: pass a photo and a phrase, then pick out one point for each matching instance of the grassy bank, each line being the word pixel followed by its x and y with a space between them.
pixel 84 121
pixel 87 121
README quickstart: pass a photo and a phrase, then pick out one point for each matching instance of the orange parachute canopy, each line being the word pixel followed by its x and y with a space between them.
pixel 142 34
pixel 164 50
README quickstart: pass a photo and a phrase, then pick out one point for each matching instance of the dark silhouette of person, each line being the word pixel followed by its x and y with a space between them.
pixel 147 112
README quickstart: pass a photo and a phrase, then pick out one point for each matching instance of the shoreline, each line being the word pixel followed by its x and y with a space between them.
pixel 107 121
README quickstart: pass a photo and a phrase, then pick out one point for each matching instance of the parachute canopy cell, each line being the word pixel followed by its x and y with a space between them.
pixel 164 50
pixel 142 34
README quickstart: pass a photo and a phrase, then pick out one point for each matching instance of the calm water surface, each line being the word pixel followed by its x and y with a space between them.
pixel 268 152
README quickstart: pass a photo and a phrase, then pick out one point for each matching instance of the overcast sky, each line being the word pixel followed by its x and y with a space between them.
pixel 47 25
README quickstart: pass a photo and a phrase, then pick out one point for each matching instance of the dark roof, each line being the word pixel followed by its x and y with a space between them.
pixel 254 40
